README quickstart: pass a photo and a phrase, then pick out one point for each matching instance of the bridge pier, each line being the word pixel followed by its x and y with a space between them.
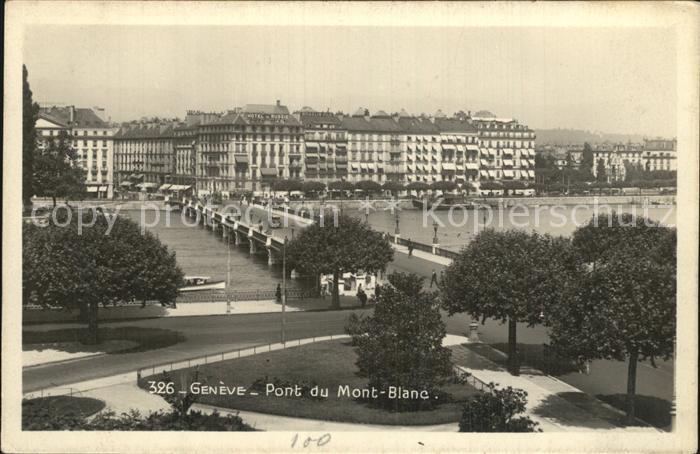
pixel 237 240
pixel 253 245
pixel 272 257
pixel 224 231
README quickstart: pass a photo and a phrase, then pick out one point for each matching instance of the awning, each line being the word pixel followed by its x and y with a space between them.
pixel 508 151
pixel 492 151
pixel 472 166
pixel 492 173
pixel 179 187
pixel 448 146
pixel 531 152
pixel 460 147
pixel 435 169
pixel 147 185
pixel 164 187
pixel 508 173
pixel 311 145
pixel 103 189
pixel 91 189
pixel 484 162
pixel 410 167
pixel 363 166
pixel 267 172
pixel 125 183
pixel 508 162
pixel 524 163
pixel 354 167
pixel 136 176
pixel 448 166
pixel 341 165
pixel 531 173
pixel 471 147
pixel 484 173
pixel 241 159
pixel 312 155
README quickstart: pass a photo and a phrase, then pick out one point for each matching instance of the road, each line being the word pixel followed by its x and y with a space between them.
pixel 217 333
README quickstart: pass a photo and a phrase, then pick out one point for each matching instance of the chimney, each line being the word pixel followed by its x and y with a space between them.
pixel 278 103
pixel 71 113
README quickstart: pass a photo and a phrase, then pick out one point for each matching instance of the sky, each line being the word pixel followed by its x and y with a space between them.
pixel 615 80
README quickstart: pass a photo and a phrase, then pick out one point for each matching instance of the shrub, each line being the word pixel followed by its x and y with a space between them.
pixel 496 411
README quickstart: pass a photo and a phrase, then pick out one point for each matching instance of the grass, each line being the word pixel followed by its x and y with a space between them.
pixel 60 407
pixel 145 338
pixel 328 364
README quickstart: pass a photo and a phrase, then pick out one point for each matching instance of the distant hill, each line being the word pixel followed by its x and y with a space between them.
pixel 572 136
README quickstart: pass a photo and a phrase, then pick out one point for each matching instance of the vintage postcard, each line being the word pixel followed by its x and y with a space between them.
pixel 350 227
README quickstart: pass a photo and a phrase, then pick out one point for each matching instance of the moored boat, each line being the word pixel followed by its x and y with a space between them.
pixel 196 283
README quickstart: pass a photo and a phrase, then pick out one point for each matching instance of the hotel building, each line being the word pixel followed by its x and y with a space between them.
pixel 90 135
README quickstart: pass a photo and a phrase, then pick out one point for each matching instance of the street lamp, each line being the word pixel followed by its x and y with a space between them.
pixel 284 285
pixel 435 229
pixel 396 216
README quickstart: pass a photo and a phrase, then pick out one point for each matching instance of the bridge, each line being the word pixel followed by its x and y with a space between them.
pixel 242 228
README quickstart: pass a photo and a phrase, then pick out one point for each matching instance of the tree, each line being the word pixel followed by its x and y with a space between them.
pixel 57 172
pixel 341 185
pixel 495 411
pixel 30 113
pixel 417 186
pixel 368 186
pixel 586 166
pixel 623 305
pixel 345 245
pixel 312 186
pixel 287 186
pixel 443 186
pixel 401 344
pixel 511 276
pixel 600 171
pixel 393 186
pixel 66 265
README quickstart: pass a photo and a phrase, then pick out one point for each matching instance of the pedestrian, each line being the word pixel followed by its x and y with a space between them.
pixel 362 296
pixel 442 276
pixel 433 279
pixel 278 293
pixel 410 247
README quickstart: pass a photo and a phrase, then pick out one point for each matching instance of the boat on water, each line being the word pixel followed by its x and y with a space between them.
pixel 197 283
pixel 446 202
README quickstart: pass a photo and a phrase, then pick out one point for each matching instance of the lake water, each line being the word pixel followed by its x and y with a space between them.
pixel 199 252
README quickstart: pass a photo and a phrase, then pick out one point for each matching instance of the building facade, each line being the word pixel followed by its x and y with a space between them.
pixel 248 148
pixel 506 149
pixel 325 156
pixel 92 139
pixel 144 156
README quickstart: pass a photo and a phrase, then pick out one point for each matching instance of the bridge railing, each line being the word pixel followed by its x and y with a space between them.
pixel 442 252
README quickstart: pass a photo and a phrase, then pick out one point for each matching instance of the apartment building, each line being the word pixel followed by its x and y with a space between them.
pixel 507 148
pixel 144 156
pixel 90 135
pixel 325 148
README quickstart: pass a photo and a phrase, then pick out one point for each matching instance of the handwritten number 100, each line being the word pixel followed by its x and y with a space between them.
pixel 320 441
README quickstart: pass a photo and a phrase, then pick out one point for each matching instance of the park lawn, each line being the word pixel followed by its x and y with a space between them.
pixel 70 339
pixel 328 364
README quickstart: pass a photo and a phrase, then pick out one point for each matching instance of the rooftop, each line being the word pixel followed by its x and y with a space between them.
pixel 73 117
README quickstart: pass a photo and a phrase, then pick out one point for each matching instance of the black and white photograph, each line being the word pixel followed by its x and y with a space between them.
pixel 350 227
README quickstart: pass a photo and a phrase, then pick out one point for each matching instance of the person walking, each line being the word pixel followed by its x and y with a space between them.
pixel 362 296
pixel 410 248
pixel 433 279
pixel 278 293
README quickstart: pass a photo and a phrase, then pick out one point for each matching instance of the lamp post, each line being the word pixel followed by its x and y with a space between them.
pixel 435 229
pixel 396 216
pixel 284 286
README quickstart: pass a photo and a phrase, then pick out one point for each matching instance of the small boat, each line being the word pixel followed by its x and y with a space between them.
pixel 196 283
pixel 444 203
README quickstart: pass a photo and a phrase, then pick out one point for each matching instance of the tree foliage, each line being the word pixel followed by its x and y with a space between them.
pixel 341 185
pixel 57 172
pixel 497 411
pixel 312 186
pixel 30 113
pixel 401 344
pixel 601 174
pixel 393 186
pixel 345 245
pixel 81 268
pixel 443 186
pixel 417 186
pixel 510 276
pixel 368 185
pixel 623 306
pixel 284 185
